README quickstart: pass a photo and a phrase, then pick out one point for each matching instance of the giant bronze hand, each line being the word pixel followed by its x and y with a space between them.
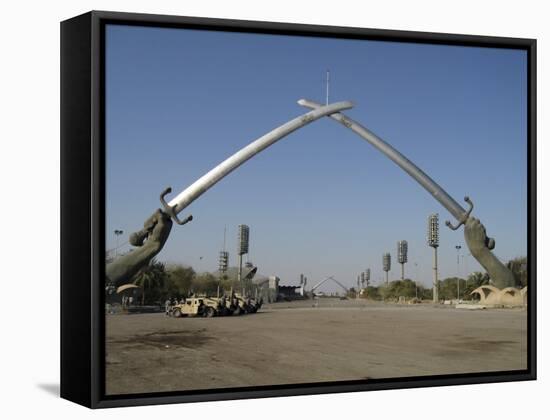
pixel 480 246
pixel 148 242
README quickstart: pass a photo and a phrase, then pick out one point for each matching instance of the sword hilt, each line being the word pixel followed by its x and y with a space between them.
pixel 171 210
pixel 464 217
pixel 489 242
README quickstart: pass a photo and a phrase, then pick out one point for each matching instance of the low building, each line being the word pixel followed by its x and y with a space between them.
pixel 267 287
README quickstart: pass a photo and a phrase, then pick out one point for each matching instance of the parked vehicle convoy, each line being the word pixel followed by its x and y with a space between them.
pixel 209 307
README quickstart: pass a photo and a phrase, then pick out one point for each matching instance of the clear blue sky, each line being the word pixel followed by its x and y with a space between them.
pixel 321 201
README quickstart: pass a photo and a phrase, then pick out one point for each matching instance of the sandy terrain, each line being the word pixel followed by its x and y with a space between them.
pixel 297 343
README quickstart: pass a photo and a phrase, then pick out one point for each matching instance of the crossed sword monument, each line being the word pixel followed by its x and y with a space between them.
pixel 150 240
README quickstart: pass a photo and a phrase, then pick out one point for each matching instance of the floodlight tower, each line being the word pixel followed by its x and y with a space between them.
pixel 303 282
pixel 118 232
pixel 402 249
pixel 223 263
pixel 244 233
pixel 386 264
pixel 458 247
pixel 433 241
pixel 367 276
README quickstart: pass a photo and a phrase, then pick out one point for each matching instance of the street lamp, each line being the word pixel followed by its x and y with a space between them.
pixel 458 247
pixel 117 234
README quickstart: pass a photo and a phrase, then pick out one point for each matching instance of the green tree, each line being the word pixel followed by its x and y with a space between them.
pixel 205 284
pixel 448 288
pixel 151 279
pixel 228 283
pixel 518 266
pixel 474 280
pixel 397 288
pixel 373 293
pixel 181 280
pixel 425 293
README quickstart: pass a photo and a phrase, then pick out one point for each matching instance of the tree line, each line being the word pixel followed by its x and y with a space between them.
pixel 159 281
pixel 449 287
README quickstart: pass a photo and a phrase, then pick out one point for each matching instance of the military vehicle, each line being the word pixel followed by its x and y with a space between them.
pixel 202 306
pixel 191 307
pixel 257 304
pixel 215 306
pixel 246 305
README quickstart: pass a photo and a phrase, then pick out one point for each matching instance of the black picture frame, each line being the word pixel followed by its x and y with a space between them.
pixel 83 204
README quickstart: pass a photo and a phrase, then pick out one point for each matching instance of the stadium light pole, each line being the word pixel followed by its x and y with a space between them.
pixel 244 234
pixel 386 264
pixel 433 241
pixel 416 279
pixel 223 263
pixel 458 247
pixel 118 232
pixel 402 249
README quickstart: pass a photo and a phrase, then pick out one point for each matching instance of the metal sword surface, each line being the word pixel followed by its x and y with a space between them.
pixel 459 213
pixel 201 185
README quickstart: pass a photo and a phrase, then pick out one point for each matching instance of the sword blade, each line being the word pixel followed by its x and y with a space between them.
pixel 201 185
pixel 458 212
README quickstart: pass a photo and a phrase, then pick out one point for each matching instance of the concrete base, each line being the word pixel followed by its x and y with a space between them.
pixel 470 306
pixel 508 297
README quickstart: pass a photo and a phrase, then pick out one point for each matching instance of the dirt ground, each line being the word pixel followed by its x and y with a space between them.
pixel 295 342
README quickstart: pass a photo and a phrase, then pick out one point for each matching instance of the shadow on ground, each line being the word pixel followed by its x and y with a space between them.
pixel 52 389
